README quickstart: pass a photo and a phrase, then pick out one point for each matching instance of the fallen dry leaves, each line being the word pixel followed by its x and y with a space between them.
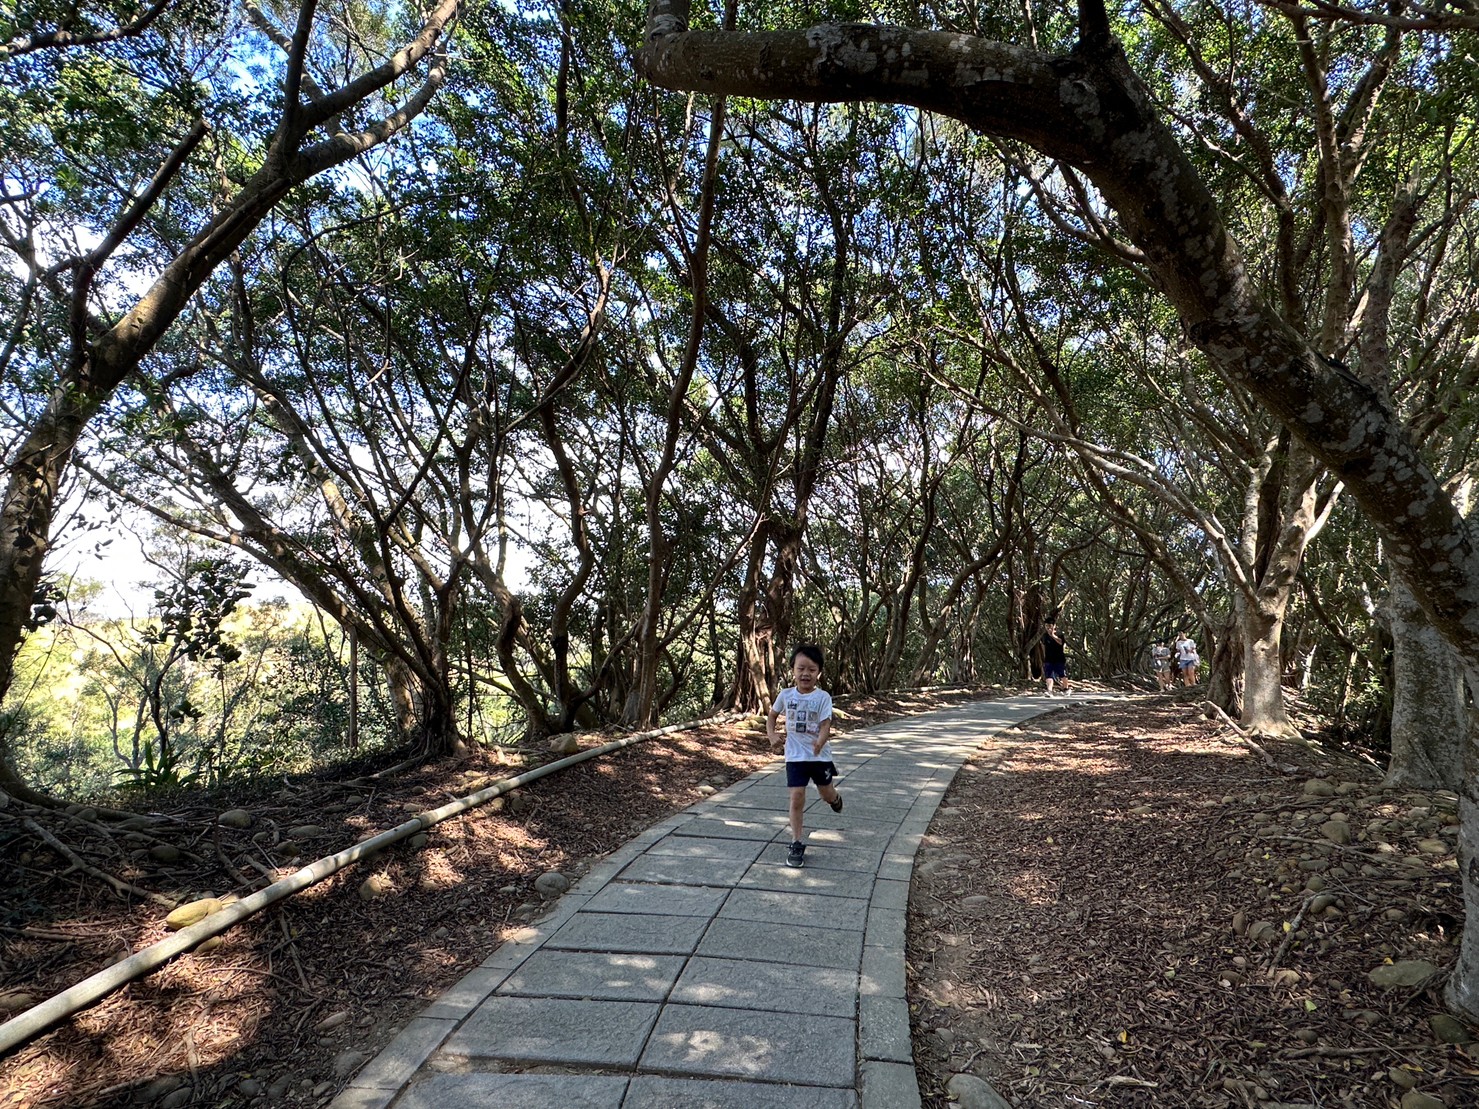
pixel 1084 913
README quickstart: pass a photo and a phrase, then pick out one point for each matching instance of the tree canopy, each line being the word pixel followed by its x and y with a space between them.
pixel 565 401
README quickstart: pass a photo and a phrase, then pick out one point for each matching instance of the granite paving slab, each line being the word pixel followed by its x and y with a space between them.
pixel 771 874
pixel 516 1091
pixel 647 1092
pixel 702 847
pixel 753 826
pixel 613 976
pixel 655 934
pixel 680 870
pixel 783 907
pixel 779 1047
pixel 826 856
pixel 753 939
pixel 635 897
pixel 783 987
pixel 556 1030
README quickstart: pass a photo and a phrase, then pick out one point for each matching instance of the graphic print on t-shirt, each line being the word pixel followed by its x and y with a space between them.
pixel 802 719
pixel 804 713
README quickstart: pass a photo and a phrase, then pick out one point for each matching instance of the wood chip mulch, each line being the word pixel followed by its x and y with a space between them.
pixel 1119 907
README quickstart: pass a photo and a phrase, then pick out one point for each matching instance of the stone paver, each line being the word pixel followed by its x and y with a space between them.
pixel 804 907
pixel 690 1093
pixel 679 870
pixel 556 1030
pixel 742 1043
pixel 746 984
pixel 604 975
pixel 700 847
pixel 807 947
pixel 692 969
pixel 516 1091
pixel 640 933
pixel 633 897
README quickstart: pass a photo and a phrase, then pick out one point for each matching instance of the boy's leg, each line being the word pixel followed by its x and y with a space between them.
pixel 798 803
pixel 831 796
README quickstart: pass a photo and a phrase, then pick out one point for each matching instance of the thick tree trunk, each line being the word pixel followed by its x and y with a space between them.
pixel 1224 672
pixel 752 687
pixel 1263 668
pixel 1462 992
pixel 1430 720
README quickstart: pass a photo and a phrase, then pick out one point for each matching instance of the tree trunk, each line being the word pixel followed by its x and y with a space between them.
pixel 1462 992
pixel 1262 627
pixel 752 687
pixel 1430 720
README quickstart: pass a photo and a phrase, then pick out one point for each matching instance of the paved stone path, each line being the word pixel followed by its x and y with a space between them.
pixel 692 969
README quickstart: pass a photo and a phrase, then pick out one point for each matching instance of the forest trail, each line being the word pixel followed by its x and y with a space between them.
pixel 693 967
pixel 1096 917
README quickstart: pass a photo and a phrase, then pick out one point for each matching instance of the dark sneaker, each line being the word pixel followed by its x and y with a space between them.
pixel 797 855
pixel 837 804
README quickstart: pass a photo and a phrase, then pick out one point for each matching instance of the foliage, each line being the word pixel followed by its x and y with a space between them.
pixel 937 395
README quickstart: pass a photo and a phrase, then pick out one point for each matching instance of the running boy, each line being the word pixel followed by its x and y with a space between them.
pixel 808 713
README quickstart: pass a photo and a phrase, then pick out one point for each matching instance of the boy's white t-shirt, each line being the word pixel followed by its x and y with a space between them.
pixel 804 713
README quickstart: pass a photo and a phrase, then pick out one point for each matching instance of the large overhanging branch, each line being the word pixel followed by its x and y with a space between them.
pixel 1403 17
pixel 1089 109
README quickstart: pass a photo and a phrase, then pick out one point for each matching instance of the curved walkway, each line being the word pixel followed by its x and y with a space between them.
pixel 692 969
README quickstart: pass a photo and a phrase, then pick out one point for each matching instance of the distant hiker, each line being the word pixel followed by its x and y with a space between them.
pixel 1160 664
pixel 1187 658
pixel 1054 661
pixel 808 712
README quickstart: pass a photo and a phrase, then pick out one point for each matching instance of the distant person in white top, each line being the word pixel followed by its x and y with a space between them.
pixel 1160 664
pixel 1187 658
pixel 807 710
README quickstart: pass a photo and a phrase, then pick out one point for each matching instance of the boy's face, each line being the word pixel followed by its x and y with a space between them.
pixel 805 672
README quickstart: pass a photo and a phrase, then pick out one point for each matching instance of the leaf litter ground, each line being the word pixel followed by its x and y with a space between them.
pixel 1120 907
pixel 1071 934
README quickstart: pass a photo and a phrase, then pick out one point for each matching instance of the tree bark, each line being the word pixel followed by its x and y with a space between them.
pixel 1430 720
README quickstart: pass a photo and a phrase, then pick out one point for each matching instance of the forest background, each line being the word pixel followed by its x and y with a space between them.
pixel 566 402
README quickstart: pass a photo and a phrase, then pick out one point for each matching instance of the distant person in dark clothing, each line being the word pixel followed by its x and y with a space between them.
pixel 1054 661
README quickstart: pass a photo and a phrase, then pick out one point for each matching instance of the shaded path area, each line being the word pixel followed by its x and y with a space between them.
pixel 693 968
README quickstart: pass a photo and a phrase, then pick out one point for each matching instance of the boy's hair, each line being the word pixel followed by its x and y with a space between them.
pixel 811 651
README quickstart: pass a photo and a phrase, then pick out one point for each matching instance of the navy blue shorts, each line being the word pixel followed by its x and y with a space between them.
pixel 799 773
pixel 1055 670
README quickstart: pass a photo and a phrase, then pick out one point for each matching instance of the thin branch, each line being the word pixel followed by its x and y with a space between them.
pixel 62 38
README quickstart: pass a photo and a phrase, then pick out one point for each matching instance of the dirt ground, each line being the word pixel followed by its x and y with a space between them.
pixel 1098 919
pixel 1129 910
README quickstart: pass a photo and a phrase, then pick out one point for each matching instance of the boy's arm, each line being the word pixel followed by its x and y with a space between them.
pixel 824 731
pixel 777 743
